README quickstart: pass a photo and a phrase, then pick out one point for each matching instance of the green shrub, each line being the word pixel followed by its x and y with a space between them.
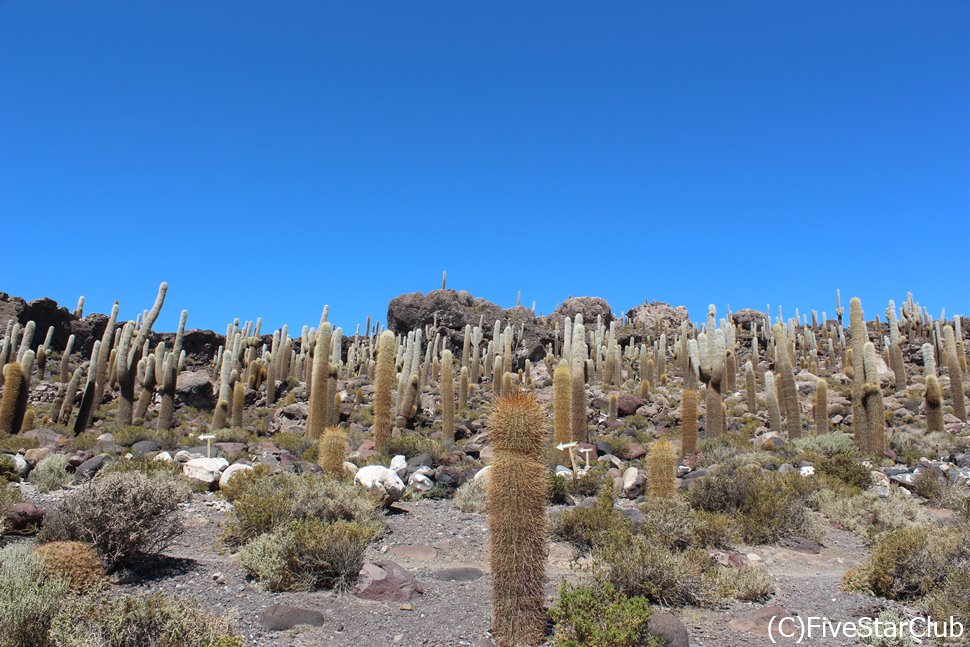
pixel 637 566
pixel 8 472
pixel 129 435
pixel 748 583
pixel 142 465
pixel 669 522
pixel 929 484
pixel 583 527
pixel 889 617
pixel 16 442
pixel 767 506
pixel 558 489
pixel 308 554
pixel 587 484
pixel 952 598
pixel 914 444
pixel 50 474
pixel 825 444
pixel 29 597
pixel 411 445
pixel 140 620
pixel 9 495
pixel 470 496
pixel 845 467
pixel 263 502
pixel 713 529
pixel 910 562
pixel 601 616
pixel 124 516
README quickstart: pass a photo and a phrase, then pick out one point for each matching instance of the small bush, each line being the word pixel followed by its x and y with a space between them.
pixel 142 465
pixel 587 484
pixel 410 445
pixel 124 516
pixel 129 435
pixel 583 527
pixel 29 597
pixel 767 506
pixel 867 514
pixel 846 468
pixel 914 444
pixel 929 484
pixel 50 474
pixel 825 444
pixel 748 583
pixel 889 617
pixel 307 555
pixel 639 567
pixel 905 564
pixel 8 472
pixel 76 563
pixel 558 489
pixel 139 620
pixel 601 616
pixel 9 495
pixel 713 529
pixel 16 442
pixel 953 597
pixel 263 502
pixel 470 496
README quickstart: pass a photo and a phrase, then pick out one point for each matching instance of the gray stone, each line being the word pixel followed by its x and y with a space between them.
pixel 279 617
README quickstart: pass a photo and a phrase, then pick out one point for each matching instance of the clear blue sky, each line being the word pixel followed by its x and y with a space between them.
pixel 267 158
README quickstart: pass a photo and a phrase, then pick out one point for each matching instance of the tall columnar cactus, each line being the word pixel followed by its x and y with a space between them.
pixel 13 404
pixel 319 388
pixel 238 403
pixel 688 422
pixel 873 403
pixel 463 389
pixel 821 407
pixel 661 470
pixel 933 398
pixel 332 450
pixel 383 389
pixel 613 407
pixel 771 397
pixel 168 381
pixel 787 391
pixel 561 404
pixel 750 387
pixel 516 503
pixel 147 379
pixel 859 337
pixel 955 372
pixel 447 397
pixel 88 395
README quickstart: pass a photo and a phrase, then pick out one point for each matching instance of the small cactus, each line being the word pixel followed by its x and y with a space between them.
pixel 333 448
pixel 933 398
pixel 821 407
pixel 688 422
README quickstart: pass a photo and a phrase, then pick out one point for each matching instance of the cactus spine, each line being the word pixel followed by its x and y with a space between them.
pixel 750 387
pixel 661 470
pixel 238 402
pixel 463 389
pixel 873 403
pixel 319 388
pixel 561 403
pixel 771 397
pixel 169 378
pixel 516 501
pixel 859 337
pixel 383 387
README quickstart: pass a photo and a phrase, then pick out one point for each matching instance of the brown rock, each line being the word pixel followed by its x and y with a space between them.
pixel 385 581
pixel 756 621
pixel 23 518
pixel 195 388
pixel 668 628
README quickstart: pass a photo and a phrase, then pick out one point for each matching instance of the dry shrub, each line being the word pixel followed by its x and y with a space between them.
pixel 124 516
pixel 309 554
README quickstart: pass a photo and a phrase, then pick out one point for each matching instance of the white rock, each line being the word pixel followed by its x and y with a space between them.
pixel 163 456
pixel 482 473
pixel 808 470
pixel 205 470
pixel 630 479
pixel 20 465
pixel 420 482
pixel 231 471
pixel 399 464
pixel 424 470
pixel 349 468
pixel 380 481
pixel 561 470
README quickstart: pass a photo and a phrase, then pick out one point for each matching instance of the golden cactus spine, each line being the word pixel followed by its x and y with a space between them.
pixel 750 388
pixel 463 389
pixel 771 397
pixel 516 502
pixel 168 381
pixel 238 403
pixel 383 389
pixel 858 338
pixel 661 470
